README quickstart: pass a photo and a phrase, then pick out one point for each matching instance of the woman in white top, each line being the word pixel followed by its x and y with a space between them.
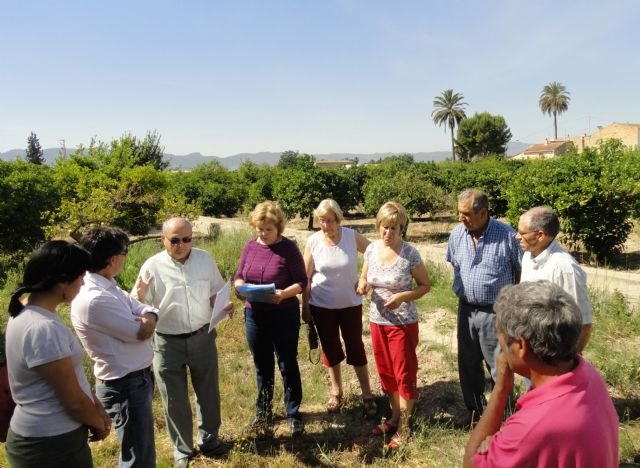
pixel 331 302
pixel 56 409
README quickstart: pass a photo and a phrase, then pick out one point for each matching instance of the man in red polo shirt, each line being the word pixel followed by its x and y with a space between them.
pixel 567 418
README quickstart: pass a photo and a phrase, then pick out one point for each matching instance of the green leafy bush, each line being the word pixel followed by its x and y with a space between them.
pixel 595 193
pixel 27 194
pixel 492 175
pixel 411 189
pixel 216 190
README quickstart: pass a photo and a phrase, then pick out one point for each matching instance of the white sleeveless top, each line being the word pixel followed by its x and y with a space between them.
pixel 335 273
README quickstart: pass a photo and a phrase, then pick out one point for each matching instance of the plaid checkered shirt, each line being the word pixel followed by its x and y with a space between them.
pixel 479 272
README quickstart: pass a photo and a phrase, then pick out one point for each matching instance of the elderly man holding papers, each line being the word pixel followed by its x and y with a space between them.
pixel 182 282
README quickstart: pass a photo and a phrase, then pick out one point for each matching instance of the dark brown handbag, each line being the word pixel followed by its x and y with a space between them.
pixel 314 345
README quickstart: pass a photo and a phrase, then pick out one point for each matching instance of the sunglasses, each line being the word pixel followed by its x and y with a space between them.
pixel 177 240
pixel 124 251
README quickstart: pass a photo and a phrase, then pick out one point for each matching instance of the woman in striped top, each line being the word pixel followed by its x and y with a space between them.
pixel 273 325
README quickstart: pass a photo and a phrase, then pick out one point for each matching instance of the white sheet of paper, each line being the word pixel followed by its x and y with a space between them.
pixel 222 299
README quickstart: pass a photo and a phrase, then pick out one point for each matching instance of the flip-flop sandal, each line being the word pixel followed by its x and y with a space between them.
pixel 396 442
pixel 385 428
pixel 334 404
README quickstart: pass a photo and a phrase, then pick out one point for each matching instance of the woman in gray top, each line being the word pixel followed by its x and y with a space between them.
pixel 55 409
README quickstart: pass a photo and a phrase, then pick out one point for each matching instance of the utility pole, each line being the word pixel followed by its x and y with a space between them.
pixel 63 148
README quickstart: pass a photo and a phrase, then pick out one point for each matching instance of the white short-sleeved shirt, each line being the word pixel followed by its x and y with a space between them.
pixel 36 337
pixel 558 266
pixel 181 291
pixel 335 274
pixel 388 280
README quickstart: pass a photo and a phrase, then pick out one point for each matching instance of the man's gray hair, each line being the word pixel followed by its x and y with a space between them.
pixel 544 315
pixel 168 224
pixel 543 218
pixel 479 199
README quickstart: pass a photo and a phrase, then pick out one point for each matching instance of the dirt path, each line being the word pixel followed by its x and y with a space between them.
pixel 600 279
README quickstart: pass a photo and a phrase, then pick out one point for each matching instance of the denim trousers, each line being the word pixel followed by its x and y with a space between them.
pixel 275 331
pixel 128 403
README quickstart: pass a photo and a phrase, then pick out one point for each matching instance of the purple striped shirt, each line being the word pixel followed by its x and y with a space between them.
pixel 280 263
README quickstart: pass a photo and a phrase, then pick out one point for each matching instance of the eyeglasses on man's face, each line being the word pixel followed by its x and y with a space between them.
pixel 180 240
pixel 522 234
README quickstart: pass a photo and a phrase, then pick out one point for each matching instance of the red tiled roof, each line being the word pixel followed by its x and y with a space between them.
pixel 545 147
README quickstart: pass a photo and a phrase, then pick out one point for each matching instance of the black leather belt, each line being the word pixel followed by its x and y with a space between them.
pixel 130 375
pixel 477 306
pixel 182 335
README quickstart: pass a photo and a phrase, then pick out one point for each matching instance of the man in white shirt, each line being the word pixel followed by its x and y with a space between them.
pixel 544 259
pixel 182 282
pixel 115 329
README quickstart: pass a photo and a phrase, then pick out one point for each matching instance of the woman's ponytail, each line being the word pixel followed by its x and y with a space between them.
pixel 15 306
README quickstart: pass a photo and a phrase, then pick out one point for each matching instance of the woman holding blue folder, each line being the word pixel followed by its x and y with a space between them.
pixel 272 322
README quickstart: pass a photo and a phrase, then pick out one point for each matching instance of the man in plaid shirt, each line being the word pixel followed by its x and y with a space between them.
pixel 485 256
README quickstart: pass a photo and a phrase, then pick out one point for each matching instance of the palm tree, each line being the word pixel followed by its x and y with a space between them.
pixel 554 100
pixel 448 109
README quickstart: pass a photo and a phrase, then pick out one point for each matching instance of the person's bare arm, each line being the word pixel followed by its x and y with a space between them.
pixel 306 292
pixel 491 419
pixel 141 288
pixel 148 324
pixel 95 434
pixel 62 377
pixel 282 294
pixel 361 242
pixel 363 287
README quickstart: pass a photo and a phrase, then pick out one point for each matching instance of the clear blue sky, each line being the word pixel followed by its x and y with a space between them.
pixel 318 76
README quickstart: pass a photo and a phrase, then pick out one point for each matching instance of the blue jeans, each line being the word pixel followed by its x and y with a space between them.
pixel 269 331
pixel 128 402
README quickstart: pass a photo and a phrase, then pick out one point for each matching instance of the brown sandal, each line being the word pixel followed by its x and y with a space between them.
pixel 334 404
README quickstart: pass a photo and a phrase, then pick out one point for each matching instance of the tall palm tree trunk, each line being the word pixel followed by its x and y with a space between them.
pixel 453 147
pixel 555 125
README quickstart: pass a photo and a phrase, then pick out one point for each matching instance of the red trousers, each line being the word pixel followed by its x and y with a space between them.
pixel 394 349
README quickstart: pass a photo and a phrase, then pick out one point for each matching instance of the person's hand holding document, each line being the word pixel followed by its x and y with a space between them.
pixel 222 307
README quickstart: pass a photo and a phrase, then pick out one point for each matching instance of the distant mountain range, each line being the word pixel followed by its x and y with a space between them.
pixel 189 161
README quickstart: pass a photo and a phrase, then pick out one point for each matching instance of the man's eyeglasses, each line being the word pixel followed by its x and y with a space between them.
pixel 124 251
pixel 178 240
pixel 525 233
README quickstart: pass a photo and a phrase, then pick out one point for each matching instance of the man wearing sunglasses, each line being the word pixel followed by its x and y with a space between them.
pixel 181 282
pixel 544 259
